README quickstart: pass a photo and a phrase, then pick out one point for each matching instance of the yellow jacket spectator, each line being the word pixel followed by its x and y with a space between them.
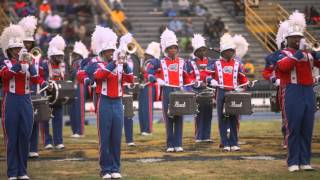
pixel 248 68
pixel 118 15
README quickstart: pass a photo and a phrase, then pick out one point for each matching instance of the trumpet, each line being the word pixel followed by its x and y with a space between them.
pixel 36 53
pixel 131 48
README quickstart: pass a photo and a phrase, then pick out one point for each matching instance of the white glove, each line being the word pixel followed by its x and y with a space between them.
pixel 213 82
pixel 277 82
pixel 24 67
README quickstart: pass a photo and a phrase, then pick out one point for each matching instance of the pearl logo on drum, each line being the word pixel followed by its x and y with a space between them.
pixel 179 105
pixel 234 104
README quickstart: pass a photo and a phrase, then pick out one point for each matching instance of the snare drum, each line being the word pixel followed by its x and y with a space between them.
pixel 63 93
pixel 127 101
pixel 205 98
pixel 41 108
pixel 182 103
pixel 237 103
pixel 274 103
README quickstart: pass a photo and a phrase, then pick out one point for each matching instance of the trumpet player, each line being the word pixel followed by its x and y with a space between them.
pixel 17 73
pixel 29 25
pixel 54 69
pixel 295 71
pixel 109 107
pixel 77 108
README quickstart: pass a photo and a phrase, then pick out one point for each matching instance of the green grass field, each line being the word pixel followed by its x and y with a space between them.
pixel 199 161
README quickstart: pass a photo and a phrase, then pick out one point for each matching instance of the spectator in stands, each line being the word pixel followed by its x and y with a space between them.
pixel 31 8
pixel 54 23
pixel 19 7
pixel 248 67
pixel 184 7
pixel 198 8
pixel 209 29
pixel 42 38
pixel 176 26
pixel 314 15
pixel 118 4
pixel 188 27
pixel 81 31
pixel 45 9
pixel 105 21
pixel 167 7
pixel 118 15
pixel 69 31
pixel 219 27
pixel 128 24
pixel 238 7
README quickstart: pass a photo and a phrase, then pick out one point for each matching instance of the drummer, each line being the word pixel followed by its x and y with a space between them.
pixel 172 75
pixel 77 107
pixel 198 69
pixel 29 25
pixel 149 92
pixel 228 73
pixel 17 73
pixel 54 70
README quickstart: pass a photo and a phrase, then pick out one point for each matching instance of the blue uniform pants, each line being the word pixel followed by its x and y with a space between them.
pixel 128 129
pixel 109 124
pixel 174 125
pixel 17 121
pixel 226 122
pixel 34 138
pixel 203 122
pixel 57 126
pixel 77 110
pixel 299 109
pixel 146 98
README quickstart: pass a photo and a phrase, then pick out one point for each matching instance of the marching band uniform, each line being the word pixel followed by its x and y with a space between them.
pixel 109 106
pixel 77 107
pixel 172 75
pixel 295 69
pixel 227 73
pixel 17 113
pixel 54 71
pixel 270 73
pixel 29 25
pixel 147 95
pixel 198 69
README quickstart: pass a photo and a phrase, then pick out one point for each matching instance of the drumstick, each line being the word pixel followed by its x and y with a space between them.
pixel 41 90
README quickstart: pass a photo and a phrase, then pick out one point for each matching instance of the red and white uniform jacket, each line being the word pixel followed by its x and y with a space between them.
pixel 17 83
pixel 112 81
pixel 173 73
pixel 199 69
pixel 294 71
pixel 53 71
pixel 229 73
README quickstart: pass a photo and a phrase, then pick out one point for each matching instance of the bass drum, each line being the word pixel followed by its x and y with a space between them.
pixel 63 93
pixel 41 108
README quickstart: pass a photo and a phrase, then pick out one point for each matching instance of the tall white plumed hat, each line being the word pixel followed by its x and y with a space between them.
pixel 29 25
pixel 241 45
pixel 167 39
pixel 297 24
pixel 56 46
pixel 226 42
pixel 103 39
pixel 282 33
pixel 80 49
pixel 197 42
pixel 11 37
pixel 153 49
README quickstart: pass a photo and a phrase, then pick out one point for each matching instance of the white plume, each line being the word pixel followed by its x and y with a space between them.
pixel 103 39
pixel 241 45
pixel 153 49
pixel 125 40
pixel 56 46
pixel 198 41
pixel 11 37
pixel 167 39
pixel 226 42
pixel 80 49
pixel 29 25
pixel 282 33
pixel 297 24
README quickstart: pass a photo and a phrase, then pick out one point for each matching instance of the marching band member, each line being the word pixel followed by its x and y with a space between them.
pixel 295 70
pixel 17 73
pixel 198 66
pixel 29 25
pixel 77 107
pixel 104 55
pixel 147 95
pixel 172 75
pixel 270 73
pixel 127 121
pixel 109 106
pixel 227 76
pixel 54 70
